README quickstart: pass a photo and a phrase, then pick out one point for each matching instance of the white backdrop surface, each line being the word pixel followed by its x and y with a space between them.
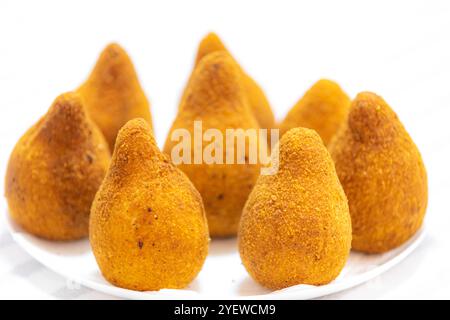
pixel 400 50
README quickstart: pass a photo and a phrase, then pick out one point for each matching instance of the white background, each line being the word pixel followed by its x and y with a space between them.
pixel 400 50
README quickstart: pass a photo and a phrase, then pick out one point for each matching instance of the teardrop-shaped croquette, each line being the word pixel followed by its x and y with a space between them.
pixel 113 94
pixel 382 173
pixel 323 108
pixel 148 229
pixel 55 170
pixel 257 99
pixel 216 98
pixel 296 227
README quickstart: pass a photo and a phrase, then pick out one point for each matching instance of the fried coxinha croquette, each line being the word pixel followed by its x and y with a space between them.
pixel 255 95
pixel 148 228
pixel 382 173
pixel 296 226
pixel 324 107
pixel 112 93
pixel 55 170
pixel 216 97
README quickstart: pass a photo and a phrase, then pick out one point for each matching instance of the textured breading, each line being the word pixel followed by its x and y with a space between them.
pixel 296 227
pixel 323 108
pixel 257 99
pixel 216 97
pixel 112 93
pixel 382 173
pixel 55 170
pixel 148 228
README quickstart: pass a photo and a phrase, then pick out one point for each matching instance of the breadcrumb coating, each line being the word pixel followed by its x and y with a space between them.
pixel 296 227
pixel 382 173
pixel 55 170
pixel 148 229
pixel 256 97
pixel 112 93
pixel 323 108
pixel 216 97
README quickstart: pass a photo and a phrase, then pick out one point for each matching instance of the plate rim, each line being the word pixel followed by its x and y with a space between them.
pixel 179 294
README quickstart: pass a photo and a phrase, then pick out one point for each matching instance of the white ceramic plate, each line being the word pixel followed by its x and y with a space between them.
pixel 222 277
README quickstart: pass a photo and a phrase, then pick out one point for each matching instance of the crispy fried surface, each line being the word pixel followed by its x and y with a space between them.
pixel 257 99
pixel 55 170
pixel 112 93
pixel 295 227
pixel 216 97
pixel 382 173
pixel 148 229
pixel 324 107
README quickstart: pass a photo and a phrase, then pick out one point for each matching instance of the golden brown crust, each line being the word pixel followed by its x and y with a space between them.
pixel 209 44
pixel 55 170
pixel 295 227
pixel 216 97
pixel 148 228
pixel 112 93
pixel 256 97
pixel 382 173
pixel 323 108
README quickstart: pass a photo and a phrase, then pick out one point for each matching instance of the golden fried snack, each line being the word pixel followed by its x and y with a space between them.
pixel 257 99
pixel 55 170
pixel 324 107
pixel 112 93
pixel 216 97
pixel 382 173
pixel 296 226
pixel 148 229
